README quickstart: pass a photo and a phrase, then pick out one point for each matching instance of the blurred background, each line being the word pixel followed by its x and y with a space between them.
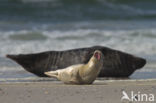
pixel 30 26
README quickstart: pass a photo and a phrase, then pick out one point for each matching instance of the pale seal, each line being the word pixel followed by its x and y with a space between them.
pixel 80 73
pixel 116 63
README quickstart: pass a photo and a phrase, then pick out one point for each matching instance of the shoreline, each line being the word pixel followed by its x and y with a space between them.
pixel 48 79
pixel 101 91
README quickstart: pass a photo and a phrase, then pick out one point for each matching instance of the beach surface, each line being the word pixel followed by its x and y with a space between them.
pixel 101 91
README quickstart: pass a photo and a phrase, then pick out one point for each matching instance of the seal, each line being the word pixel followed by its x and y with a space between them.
pixel 115 63
pixel 80 73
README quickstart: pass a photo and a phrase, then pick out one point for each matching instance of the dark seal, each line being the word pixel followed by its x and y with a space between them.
pixel 115 63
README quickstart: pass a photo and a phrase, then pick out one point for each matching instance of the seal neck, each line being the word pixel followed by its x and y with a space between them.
pixel 92 62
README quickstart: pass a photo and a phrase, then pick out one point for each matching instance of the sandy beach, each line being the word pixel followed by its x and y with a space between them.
pixel 102 91
pixel 35 26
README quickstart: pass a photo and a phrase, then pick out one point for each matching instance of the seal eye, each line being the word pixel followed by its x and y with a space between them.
pixel 97 56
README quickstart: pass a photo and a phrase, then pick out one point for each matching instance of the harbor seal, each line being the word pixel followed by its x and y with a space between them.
pixel 80 73
pixel 115 63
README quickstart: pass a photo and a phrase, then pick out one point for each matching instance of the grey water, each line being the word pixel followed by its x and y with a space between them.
pixel 31 26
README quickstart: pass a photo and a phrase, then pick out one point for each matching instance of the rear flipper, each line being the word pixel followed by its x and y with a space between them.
pixel 52 74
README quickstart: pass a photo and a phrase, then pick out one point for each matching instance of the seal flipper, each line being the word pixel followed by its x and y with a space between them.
pixel 52 74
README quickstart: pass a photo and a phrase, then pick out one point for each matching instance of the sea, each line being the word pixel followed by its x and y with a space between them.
pixel 32 26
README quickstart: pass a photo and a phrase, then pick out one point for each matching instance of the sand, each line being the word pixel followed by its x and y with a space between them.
pixel 102 91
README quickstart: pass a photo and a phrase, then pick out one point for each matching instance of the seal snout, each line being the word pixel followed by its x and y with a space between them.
pixel 97 54
pixel 13 57
pixel 8 56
